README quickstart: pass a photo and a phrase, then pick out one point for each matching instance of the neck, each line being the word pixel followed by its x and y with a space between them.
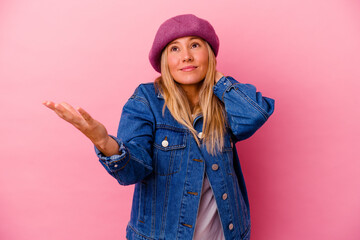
pixel 192 93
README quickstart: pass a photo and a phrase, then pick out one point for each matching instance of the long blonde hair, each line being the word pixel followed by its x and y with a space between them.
pixel 209 105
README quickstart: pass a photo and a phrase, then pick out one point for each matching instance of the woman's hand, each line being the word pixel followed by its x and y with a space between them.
pixel 218 75
pixel 91 128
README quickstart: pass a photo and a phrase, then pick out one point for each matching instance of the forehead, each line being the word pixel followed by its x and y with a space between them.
pixel 185 39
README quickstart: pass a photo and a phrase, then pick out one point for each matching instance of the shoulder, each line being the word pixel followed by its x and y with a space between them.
pixel 145 88
pixel 147 93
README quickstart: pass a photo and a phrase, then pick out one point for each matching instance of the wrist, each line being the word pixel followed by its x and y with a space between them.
pixel 102 143
pixel 108 146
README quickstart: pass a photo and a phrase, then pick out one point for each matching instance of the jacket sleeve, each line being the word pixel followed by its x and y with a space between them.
pixel 135 138
pixel 246 109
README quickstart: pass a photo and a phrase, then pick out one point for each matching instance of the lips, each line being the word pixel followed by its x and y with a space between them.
pixel 188 68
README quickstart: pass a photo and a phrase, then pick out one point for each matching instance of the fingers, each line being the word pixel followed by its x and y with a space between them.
pixel 66 112
pixel 49 104
pixel 80 119
pixel 85 115
pixel 57 108
pixel 67 107
pixel 70 114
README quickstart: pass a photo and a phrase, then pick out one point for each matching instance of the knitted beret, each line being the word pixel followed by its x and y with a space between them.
pixel 181 26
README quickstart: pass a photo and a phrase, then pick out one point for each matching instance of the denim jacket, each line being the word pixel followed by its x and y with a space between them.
pixel 161 157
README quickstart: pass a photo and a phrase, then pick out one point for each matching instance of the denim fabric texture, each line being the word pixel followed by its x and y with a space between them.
pixel 161 157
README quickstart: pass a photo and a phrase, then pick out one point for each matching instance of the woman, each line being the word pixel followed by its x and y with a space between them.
pixel 176 139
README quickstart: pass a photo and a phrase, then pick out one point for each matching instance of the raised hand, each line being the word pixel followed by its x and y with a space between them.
pixel 90 127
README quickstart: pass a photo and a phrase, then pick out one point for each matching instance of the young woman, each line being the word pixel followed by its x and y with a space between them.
pixel 176 140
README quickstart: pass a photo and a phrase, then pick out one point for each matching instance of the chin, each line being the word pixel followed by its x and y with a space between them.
pixel 190 80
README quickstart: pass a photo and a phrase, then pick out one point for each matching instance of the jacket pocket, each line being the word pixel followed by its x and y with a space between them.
pixel 169 148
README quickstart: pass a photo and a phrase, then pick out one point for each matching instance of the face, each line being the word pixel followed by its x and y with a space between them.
pixel 188 60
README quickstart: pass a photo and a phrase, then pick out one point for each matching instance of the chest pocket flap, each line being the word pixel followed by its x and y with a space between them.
pixel 167 139
pixel 169 148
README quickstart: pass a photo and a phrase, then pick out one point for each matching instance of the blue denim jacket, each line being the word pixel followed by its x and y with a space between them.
pixel 161 157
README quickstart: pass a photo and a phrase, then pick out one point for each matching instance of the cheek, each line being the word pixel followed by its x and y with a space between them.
pixel 204 59
pixel 172 62
pixel 205 64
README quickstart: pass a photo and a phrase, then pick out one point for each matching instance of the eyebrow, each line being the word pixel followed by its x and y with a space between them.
pixel 175 42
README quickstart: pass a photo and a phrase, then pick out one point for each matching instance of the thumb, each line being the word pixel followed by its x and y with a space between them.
pixel 85 115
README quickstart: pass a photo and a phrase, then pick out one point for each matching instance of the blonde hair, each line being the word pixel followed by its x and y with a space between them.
pixel 209 105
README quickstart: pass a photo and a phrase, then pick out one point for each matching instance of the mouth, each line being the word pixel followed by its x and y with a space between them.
pixel 188 68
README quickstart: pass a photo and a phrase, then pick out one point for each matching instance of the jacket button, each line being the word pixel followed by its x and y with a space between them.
pixel 165 143
pixel 214 167
pixel 231 226
pixel 200 135
pixel 115 165
pixel 224 196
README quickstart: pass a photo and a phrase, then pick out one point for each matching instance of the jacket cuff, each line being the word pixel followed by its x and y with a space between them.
pixel 115 162
pixel 224 84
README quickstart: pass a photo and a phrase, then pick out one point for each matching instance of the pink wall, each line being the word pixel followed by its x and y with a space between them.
pixel 302 168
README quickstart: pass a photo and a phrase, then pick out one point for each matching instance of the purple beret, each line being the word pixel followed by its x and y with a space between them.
pixel 181 26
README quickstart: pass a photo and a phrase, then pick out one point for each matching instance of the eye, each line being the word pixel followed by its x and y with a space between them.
pixel 195 45
pixel 174 49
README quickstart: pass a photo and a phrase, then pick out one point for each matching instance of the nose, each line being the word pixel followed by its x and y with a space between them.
pixel 187 56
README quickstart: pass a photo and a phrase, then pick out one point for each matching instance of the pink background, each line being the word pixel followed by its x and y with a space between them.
pixel 302 168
